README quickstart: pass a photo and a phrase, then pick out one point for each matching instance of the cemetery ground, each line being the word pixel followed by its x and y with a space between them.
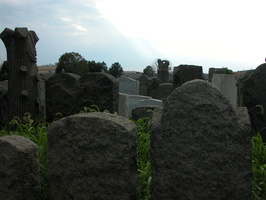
pixel 37 132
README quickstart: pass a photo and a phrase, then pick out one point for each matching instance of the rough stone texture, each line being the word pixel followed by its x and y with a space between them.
pixel 62 91
pixel 240 82
pixel 143 82
pixel 143 112
pixel 128 86
pixel 185 73
pixel 19 168
pixel 22 72
pixel 92 156
pixel 163 71
pixel 213 70
pixel 153 87
pixel 198 148
pixel 3 104
pixel 165 90
pixel 254 95
pixel 100 88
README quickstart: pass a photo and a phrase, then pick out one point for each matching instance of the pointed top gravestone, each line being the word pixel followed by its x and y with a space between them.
pixel 198 148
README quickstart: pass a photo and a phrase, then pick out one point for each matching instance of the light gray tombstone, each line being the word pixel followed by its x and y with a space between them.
pixel 150 102
pixel 227 84
pixel 19 169
pixel 128 86
pixel 92 156
pixel 199 147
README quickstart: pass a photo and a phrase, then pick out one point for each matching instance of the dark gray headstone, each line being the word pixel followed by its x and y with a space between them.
pixel 185 73
pixel 3 104
pixel 254 98
pixel 199 149
pixel 143 81
pixel 22 72
pixel 153 87
pixel 62 91
pixel 19 168
pixel 165 90
pixel 163 70
pixel 92 156
pixel 143 112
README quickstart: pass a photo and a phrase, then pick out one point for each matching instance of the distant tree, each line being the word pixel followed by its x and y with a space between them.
pixel 228 71
pixel 149 71
pixel 3 71
pixel 116 70
pixel 97 66
pixel 72 63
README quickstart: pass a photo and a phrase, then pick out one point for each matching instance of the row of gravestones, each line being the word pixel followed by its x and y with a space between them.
pixel 200 149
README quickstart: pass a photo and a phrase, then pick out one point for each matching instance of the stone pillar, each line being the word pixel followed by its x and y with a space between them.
pixel 19 168
pixel 92 156
pixel 22 72
pixel 200 146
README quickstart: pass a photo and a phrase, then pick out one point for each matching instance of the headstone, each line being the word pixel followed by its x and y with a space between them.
pixel 213 70
pixel 22 72
pixel 164 90
pixel 123 107
pixel 227 84
pixel 100 88
pixel 3 104
pixel 150 102
pixel 240 83
pixel 199 149
pixel 143 82
pixel 185 73
pixel 133 101
pixel 153 87
pixel 254 98
pixel 163 70
pixel 62 91
pixel 19 169
pixel 128 86
pixel 92 156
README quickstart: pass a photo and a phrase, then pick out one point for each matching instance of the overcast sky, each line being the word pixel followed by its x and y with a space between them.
pixel 208 33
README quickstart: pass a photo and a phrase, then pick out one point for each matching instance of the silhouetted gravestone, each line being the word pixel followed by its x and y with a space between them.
pixel 163 71
pixel 22 72
pixel 199 147
pixel 153 87
pixel 62 91
pixel 19 169
pixel 3 104
pixel 100 88
pixel 92 156
pixel 143 81
pixel 254 97
pixel 185 73
pixel 164 90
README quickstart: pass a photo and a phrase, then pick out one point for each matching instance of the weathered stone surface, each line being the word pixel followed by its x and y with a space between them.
pixel 185 73
pixel 22 72
pixel 19 169
pixel 3 104
pixel 128 86
pixel 254 97
pixel 143 82
pixel 198 148
pixel 143 112
pixel 153 87
pixel 62 91
pixel 92 156
pixel 100 88
pixel 163 70
pixel 165 90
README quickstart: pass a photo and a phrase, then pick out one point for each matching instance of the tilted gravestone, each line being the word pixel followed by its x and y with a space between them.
pixel 92 156
pixel 185 73
pixel 254 98
pixel 128 86
pixel 199 148
pixel 22 72
pixel 19 169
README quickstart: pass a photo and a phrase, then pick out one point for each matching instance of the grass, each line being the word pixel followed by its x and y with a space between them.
pixel 38 134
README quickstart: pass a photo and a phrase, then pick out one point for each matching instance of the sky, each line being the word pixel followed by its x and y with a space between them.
pixel 135 33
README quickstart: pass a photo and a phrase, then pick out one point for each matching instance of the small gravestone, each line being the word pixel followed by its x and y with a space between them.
pixel 254 98
pixel 62 91
pixel 199 147
pixel 22 72
pixel 165 90
pixel 153 87
pixel 185 73
pixel 3 104
pixel 163 70
pixel 101 89
pixel 19 168
pixel 92 156
pixel 128 86
pixel 143 82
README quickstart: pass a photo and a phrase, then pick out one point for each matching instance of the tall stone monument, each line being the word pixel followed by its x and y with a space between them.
pixel 23 82
pixel 163 73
